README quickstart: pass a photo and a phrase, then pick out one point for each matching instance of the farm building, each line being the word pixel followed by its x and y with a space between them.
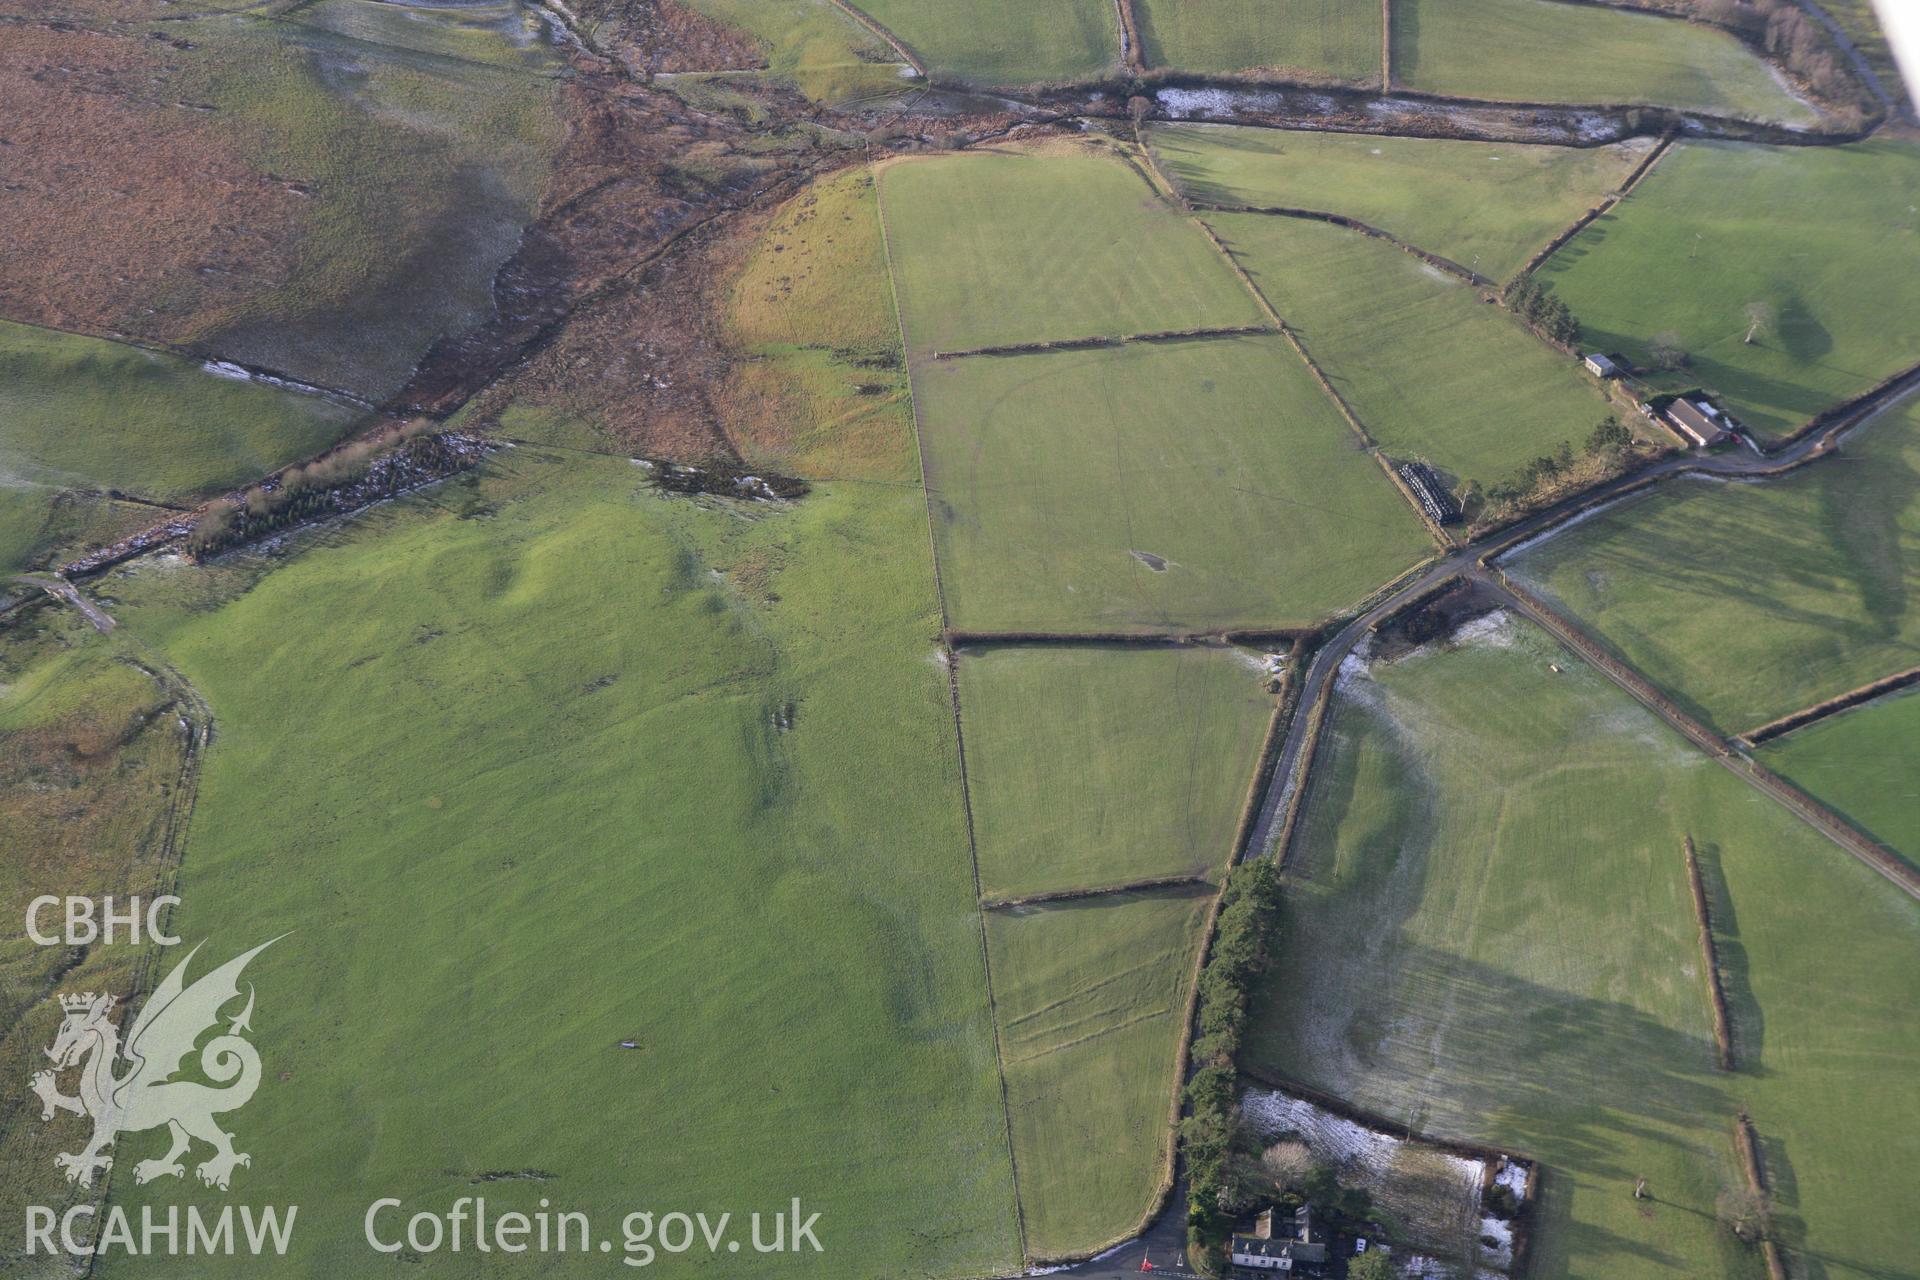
pixel 1293 1252
pixel 1431 493
pixel 1698 420
pixel 1601 366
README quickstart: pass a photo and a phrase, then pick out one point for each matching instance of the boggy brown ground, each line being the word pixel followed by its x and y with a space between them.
pixel 125 209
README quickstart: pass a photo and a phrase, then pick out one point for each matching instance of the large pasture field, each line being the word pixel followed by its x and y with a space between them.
pixel 1863 763
pixel 1091 995
pixel 1005 42
pixel 84 414
pixel 1822 242
pixel 1428 367
pixel 1152 487
pixel 1309 39
pixel 1101 766
pixel 1489 936
pixel 1046 245
pixel 582 719
pixel 1750 601
pixel 1487 206
pixel 1541 51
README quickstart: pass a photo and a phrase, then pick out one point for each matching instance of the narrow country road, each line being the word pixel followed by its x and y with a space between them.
pixel 1469 561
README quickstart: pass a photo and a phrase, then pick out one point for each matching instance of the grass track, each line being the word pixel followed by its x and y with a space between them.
pixel 1102 766
pixel 1487 206
pixel 1539 51
pixel 1005 42
pixel 1431 369
pixel 1090 996
pixel 1489 937
pixel 1058 243
pixel 1221 458
pixel 1751 601
pixel 1331 39
pixel 1864 763
pixel 1827 239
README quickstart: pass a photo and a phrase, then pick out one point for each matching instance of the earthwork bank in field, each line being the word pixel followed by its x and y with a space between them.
pixel 1486 206
pixel 1489 936
pixel 1747 602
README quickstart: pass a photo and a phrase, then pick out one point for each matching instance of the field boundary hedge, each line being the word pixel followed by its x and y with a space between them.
pixel 1447 265
pixel 1710 957
pixel 1606 205
pixel 1810 810
pixel 1105 340
pixel 952 664
pixel 1133 56
pixel 1747 1139
pixel 1097 891
pixel 1821 710
pixel 963 639
pixel 874 25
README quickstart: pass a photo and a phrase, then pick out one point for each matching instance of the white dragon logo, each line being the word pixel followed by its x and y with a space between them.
pixel 170 1024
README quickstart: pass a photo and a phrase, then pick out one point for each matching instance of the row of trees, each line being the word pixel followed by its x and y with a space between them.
pixel 1606 443
pixel 1542 310
pixel 1242 944
pixel 313 489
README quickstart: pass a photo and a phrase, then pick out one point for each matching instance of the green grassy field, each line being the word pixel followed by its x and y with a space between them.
pixel 1431 369
pixel 1489 936
pixel 1090 997
pixel 1864 763
pixel 1825 241
pixel 1538 51
pixel 1820 606
pixel 1102 766
pixel 830 57
pixel 85 414
pixel 1061 480
pixel 1005 42
pixel 596 764
pixel 1332 39
pixel 1486 206
pixel 1043 245
pixel 436 160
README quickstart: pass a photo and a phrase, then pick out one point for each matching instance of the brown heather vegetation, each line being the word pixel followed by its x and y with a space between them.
pixel 124 208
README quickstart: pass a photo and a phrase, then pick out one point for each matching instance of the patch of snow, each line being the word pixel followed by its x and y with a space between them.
pixel 1500 1253
pixel 1335 1139
pixel 1526 544
pixel 1187 104
pixel 1514 1178
pixel 1492 629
